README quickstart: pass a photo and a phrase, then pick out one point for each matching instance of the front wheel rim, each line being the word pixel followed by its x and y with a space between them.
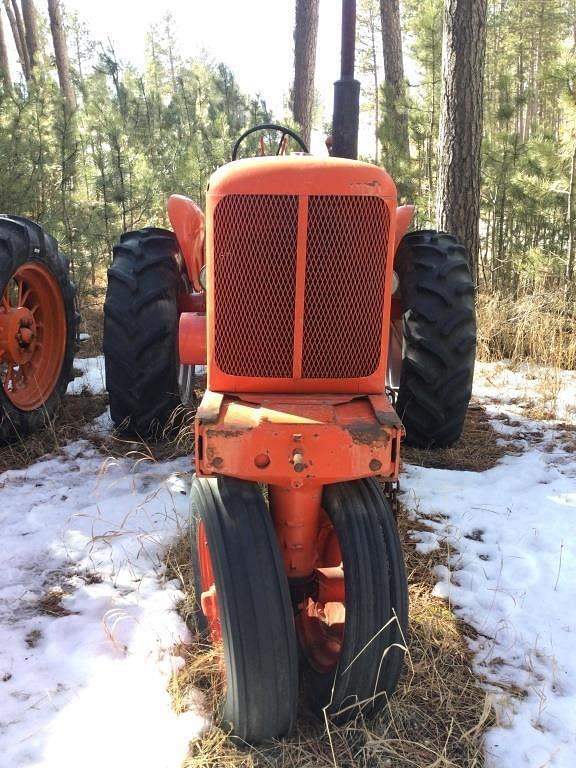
pixel 208 597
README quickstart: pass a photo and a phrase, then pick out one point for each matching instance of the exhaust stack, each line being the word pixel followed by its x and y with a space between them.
pixel 345 117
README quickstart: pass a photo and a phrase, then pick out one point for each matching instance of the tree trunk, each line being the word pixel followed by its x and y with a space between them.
pixel 61 54
pixel 31 30
pixel 18 34
pixel 376 90
pixel 5 76
pixel 305 35
pixel 395 117
pixel 458 190
pixel 571 215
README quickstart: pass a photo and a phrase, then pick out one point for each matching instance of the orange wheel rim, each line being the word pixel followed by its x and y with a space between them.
pixel 33 334
pixel 320 620
pixel 208 597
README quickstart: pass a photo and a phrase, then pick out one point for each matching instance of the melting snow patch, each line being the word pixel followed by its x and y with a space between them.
pixel 92 379
pixel 90 680
pixel 511 575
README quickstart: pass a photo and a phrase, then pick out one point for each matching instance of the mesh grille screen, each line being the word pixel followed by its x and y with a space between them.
pixel 345 269
pixel 255 283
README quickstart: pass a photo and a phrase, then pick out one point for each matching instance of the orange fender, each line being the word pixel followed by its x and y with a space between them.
pixel 188 224
pixel 404 216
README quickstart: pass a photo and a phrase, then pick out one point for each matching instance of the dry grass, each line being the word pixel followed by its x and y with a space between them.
pixel 476 451
pixel 91 305
pixel 50 604
pixel 69 424
pixel 439 713
pixel 176 440
pixel 539 327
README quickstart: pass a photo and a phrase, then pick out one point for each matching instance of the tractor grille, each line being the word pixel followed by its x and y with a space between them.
pixel 344 297
pixel 255 254
pixel 255 284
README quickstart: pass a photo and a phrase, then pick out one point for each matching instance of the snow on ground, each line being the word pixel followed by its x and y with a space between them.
pixel 516 387
pixel 89 687
pixel 511 573
pixel 92 379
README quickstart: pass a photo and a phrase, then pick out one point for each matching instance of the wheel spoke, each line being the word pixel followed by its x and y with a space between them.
pixel 24 295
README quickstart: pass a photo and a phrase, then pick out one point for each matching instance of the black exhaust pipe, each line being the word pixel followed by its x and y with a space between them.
pixel 345 118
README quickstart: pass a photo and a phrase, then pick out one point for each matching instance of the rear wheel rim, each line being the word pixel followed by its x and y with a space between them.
pixel 33 306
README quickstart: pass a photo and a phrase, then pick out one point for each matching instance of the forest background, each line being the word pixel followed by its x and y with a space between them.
pixel 91 146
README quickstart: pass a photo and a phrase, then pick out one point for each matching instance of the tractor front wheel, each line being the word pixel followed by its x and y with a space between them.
pixel 439 339
pixel 243 603
pixel 37 327
pixel 141 331
pixel 352 628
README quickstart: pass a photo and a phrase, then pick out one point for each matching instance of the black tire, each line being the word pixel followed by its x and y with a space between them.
pixel 254 604
pixel 439 346
pixel 375 629
pixel 22 243
pixel 141 331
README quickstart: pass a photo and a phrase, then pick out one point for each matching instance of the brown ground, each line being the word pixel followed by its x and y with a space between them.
pixel 476 451
pixel 70 424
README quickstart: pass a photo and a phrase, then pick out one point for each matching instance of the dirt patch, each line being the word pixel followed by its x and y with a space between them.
pixel 50 604
pixel 33 638
pixel 69 424
pixel 478 449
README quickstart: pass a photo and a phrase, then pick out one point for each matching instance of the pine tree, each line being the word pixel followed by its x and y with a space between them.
pixel 395 116
pixel 305 35
pixel 61 54
pixel 460 137
pixel 5 75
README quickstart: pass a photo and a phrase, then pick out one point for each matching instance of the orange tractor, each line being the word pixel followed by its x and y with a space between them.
pixel 311 308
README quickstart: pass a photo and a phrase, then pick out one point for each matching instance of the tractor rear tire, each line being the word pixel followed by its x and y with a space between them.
pixel 34 277
pixel 439 343
pixel 368 657
pixel 141 331
pixel 235 551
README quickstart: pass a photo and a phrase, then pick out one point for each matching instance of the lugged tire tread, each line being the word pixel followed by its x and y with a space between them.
pixel 255 609
pixel 141 331
pixel 439 338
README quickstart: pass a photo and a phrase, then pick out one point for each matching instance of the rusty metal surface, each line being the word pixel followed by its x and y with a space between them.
pixel 296 442
pixel 209 409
